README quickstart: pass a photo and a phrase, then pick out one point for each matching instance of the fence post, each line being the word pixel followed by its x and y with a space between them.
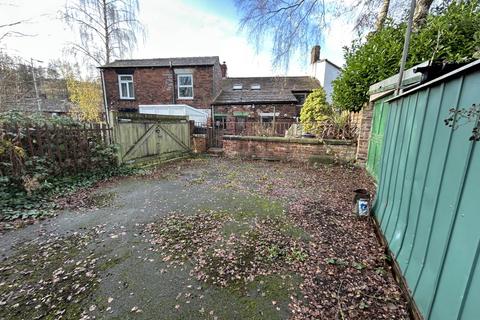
pixel 115 136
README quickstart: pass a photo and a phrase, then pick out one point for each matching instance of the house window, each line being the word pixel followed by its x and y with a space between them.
pixel 125 84
pixel 255 87
pixel 185 86
pixel 221 122
pixel 237 86
pixel 300 98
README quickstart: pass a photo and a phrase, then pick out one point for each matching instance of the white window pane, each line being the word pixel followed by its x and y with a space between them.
pixel 126 78
pixel 130 89
pixel 124 92
pixel 186 92
pixel 185 80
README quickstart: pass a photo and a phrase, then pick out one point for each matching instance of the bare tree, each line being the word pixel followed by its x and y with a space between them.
pixel 108 29
pixel 421 11
pixel 6 30
pixel 365 14
pixel 382 15
pixel 297 24
pixel 292 24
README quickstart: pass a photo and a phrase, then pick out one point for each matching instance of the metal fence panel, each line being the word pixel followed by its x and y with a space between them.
pixel 428 205
pixel 379 120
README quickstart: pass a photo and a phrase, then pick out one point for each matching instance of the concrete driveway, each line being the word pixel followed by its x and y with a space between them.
pixel 111 262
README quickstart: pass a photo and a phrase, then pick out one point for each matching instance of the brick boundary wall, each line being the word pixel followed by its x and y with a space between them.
pixel 199 143
pixel 289 149
pixel 365 127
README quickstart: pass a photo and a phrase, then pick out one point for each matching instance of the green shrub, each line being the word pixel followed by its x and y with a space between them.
pixel 320 118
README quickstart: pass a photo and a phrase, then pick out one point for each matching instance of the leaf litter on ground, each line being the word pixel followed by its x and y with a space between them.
pixel 338 259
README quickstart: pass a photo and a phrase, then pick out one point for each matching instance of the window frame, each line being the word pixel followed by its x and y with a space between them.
pixel 131 95
pixel 179 86
pixel 220 122
pixel 304 97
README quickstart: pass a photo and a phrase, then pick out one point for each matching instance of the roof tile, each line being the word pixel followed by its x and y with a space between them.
pixel 163 62
pixel 272 89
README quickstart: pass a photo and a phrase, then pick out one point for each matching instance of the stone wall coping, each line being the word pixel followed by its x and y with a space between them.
pixel 289 140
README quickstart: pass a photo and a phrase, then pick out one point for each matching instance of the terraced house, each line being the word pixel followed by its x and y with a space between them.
pixel 199 87
pixel 262 99
pixel 162 86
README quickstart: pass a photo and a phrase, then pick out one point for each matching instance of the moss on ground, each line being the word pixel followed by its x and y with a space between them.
pixel 245 254
pixel 47 280
pixel 101 200
pixel 52 279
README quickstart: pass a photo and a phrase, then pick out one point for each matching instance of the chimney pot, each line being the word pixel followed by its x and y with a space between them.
pixel 223 68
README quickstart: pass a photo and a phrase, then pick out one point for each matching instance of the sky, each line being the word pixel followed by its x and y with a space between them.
pixel 175 28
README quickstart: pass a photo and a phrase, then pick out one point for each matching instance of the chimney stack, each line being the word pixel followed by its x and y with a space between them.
pixel 315 54
pixel 223 67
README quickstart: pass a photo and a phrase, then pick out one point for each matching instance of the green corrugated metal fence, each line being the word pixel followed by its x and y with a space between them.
pixel 379 119
pixel 428 201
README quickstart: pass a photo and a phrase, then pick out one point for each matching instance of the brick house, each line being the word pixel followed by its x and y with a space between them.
pixel 261 99
pixel 193 81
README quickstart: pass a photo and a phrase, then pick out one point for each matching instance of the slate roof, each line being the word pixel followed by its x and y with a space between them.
pixel 272 89
pixel 163 62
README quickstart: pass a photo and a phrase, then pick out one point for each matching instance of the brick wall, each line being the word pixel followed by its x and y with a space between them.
pixel 301 150
pixel 199 143
pixel 365 125
pixel 156 86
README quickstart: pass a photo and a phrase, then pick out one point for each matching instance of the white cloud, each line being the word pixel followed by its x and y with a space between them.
pixel 339 34
pixel 174 29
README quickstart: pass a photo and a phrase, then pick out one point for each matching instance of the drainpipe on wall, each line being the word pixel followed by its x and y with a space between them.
pixel 212 115
pixel 274 109
pixel 105 103
pixel 174 100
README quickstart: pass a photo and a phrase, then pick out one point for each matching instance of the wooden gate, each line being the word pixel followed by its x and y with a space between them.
pixel 146 137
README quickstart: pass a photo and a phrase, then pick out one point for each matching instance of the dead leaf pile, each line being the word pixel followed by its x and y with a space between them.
pixel 260 247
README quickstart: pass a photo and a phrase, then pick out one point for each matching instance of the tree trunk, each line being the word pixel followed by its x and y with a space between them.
pixel 421 11
pixel 382 15
pixel 107 34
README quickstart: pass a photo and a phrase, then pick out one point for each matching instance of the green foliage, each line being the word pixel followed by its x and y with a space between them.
pixel 28 181
pixel 451 34
pixel 315 108
pixel 314 111
pixel 18 203
pixel 320 118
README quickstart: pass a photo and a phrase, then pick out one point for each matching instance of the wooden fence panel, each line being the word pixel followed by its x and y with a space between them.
pixel 65 148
